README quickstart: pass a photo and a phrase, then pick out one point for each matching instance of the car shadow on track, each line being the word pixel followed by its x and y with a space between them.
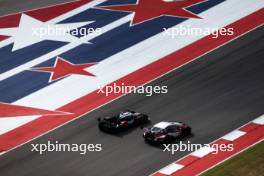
pixel 125 132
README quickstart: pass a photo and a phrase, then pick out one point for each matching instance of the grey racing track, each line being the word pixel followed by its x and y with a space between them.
pixel 214 94
pixel 13 6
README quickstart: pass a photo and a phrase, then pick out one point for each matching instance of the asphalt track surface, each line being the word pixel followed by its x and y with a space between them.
pixel 215 94
pixel 13 6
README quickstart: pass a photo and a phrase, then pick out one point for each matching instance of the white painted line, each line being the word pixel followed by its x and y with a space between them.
pixel 203 151
pixel 8 124
pixel 259 120
pixel 170 169
pixel 234 135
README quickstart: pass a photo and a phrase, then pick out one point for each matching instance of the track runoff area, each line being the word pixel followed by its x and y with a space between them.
pixel 241 24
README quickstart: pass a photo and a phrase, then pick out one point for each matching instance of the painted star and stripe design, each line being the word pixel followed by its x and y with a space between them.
pixel 145 10
pixel 44 81
pixel 63 68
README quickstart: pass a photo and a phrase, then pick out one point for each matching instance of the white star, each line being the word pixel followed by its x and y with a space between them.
pixel 31 31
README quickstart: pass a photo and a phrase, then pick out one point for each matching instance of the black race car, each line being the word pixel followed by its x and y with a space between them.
pixel 122 121
pixel 164 132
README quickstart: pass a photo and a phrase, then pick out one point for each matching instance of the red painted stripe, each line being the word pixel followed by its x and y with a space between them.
pixel 42 14
pixel 139 77
pixel 213 159
pixel 249 127
pixel 3 38
pixel 187 160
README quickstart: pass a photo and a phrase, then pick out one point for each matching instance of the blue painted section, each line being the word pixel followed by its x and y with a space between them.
pixel 104 46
